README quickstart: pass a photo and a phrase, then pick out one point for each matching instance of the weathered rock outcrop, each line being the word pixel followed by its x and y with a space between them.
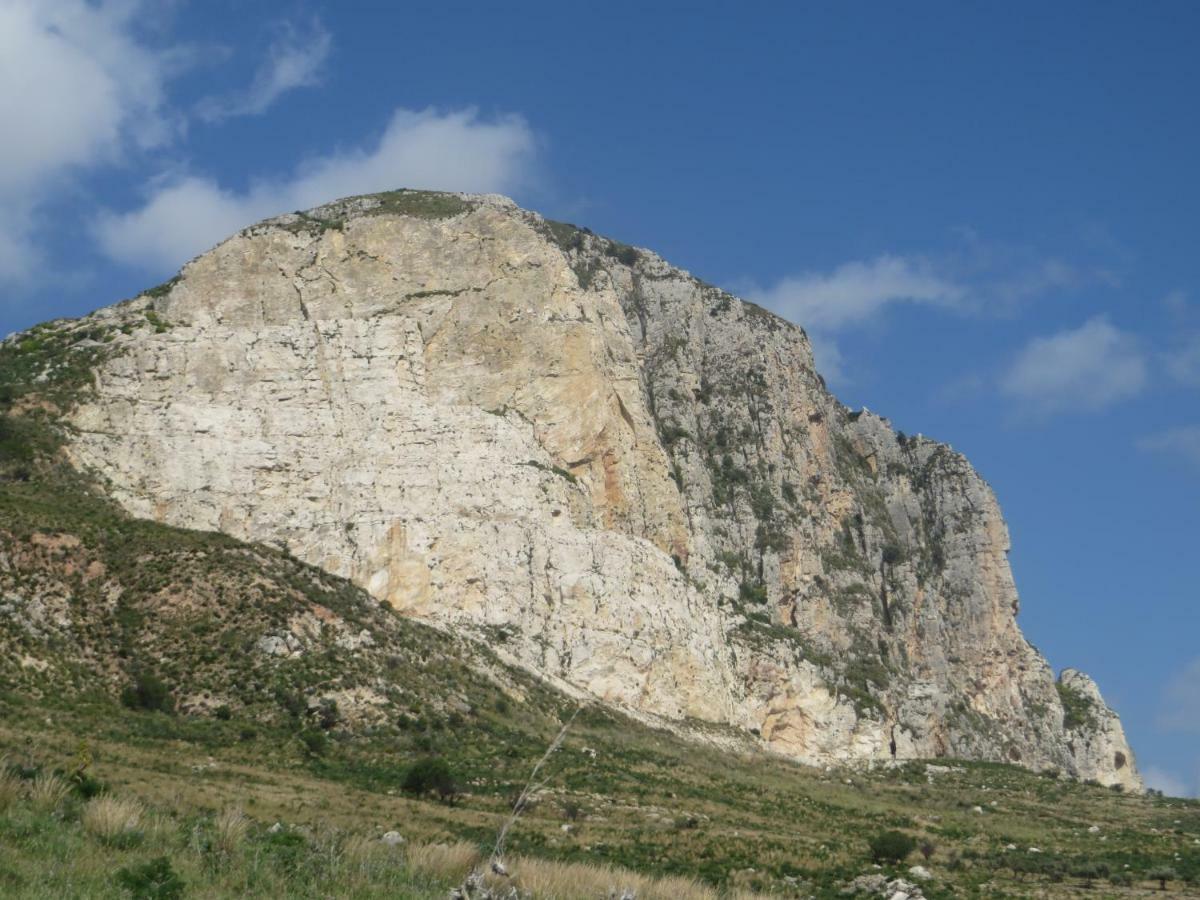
pixel 1095 737
pixel 622 477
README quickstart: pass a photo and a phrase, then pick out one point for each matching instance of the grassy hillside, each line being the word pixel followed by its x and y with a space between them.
pixel 196 674
pixel 616 794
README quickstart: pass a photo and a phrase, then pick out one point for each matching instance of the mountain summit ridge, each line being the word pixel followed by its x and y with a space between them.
pixel 620 477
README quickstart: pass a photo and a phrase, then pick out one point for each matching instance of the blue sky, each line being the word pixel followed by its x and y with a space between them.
pixel 985 214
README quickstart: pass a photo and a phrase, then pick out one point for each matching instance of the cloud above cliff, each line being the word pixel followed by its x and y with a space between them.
pixel 1180 709
pixel 294 60
pixel 1169 783
pixel 455 150
pixel 78 88
pixel 1183 361
pixel 1179 712
pixel 1182 442
pixel 973 277
pixel 856 291
pixel 1082 369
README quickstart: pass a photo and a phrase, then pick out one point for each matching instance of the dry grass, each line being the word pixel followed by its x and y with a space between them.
pixel 1036 810
pixel 360 850
pixel 547 880
pixel 110 818
pixel 47 792
pixel 229 830
pixel 10 785
pixel 368 858
pixel 444 861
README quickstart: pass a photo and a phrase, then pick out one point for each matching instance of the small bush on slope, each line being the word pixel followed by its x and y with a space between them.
pixel 892 846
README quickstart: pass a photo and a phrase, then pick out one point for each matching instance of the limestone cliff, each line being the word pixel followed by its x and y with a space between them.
pixel 618 475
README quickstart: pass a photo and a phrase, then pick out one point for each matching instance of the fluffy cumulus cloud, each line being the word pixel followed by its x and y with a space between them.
pixel 1179 711
pixel 1086 368
pixel 973 277
pixel 294 60
pixel 457 150
pixel 1169 783
pixel 825 303
pixel 856 291
pixel 1182 442
pixel 76 88
pixel 1183 362
pixel 1181 700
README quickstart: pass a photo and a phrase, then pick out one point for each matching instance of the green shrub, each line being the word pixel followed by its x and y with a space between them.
pixel 154 880
pixel 87 786
pixel 752 592
pixel 622 253
pixel 1089 871
pixel 1077 709
pixel 287 848
pixel 1162 875
pixel 431 776
pixel 327 713
pixel 314 741
pixel 1052 869
pixel 892 846
pixel 420 204
pixel 148 692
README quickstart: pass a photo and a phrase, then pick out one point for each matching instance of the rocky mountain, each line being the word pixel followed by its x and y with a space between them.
pixel 613 474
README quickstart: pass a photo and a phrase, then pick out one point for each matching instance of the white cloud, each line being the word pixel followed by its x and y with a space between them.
pixel 456 150
pixel 1041 277
pixel 1183 363
pixel 1087 368
pixel 177 222
pixel 828 358
pixel 18 254
pixel 1182 441
pixel 1170 784
pixel 1181 700
pixel 855 292
pixel 294 60
pixel 977 277
pixel 824 303
pixel 76 88
pixel 1176 301
pixel 1179 711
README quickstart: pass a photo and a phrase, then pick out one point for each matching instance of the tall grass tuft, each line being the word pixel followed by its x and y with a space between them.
pixel 443 861
pixel 361 852
pixel 111 819
pixel 48 792
pixel 229 831
pixel 548 880
pixel 10 785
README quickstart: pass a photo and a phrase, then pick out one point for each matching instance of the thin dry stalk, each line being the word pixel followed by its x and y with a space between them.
pixel 531 787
